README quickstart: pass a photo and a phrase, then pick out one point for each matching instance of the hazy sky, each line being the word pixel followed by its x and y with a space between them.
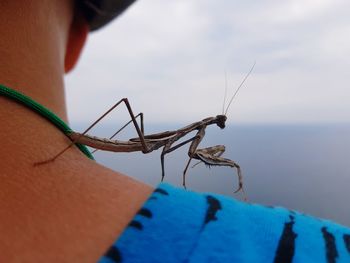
pixel 169 58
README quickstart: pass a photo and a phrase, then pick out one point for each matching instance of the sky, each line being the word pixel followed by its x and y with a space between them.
pixel 169 59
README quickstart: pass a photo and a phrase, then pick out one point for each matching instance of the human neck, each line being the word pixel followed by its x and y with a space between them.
pixel 51 199
pixel 32 60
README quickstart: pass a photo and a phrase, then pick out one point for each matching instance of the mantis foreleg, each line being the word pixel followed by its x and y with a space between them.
pixel 211 156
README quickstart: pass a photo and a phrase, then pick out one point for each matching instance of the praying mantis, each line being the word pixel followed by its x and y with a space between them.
pixel 211 156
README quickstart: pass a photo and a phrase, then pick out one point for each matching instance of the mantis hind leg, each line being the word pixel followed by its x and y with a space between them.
pixel 140 115
pixel 139 131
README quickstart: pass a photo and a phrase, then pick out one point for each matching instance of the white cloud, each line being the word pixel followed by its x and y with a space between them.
pixel 169 59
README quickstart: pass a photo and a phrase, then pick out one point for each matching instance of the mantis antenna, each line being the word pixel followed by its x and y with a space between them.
pixel 225 94
pixel 239 87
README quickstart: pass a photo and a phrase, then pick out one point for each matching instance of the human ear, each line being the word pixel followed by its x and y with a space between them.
pixel 78 32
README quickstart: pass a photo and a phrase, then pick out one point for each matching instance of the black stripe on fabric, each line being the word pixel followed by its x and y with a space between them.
pixel 145 212
pixel 136 225
pixel 331 249
pixel 214 206
pixel 161 191
pixel 286 246
pixel 113 253
pixel 346 238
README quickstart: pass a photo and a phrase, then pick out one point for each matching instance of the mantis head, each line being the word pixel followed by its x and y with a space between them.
pixel 221 120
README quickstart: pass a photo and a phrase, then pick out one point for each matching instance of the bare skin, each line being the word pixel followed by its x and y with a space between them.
pixel 73 209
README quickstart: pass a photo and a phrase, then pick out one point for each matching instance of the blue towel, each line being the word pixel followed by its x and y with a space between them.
pixel 176 225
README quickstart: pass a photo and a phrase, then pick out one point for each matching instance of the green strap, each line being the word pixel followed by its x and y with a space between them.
pixel 44 112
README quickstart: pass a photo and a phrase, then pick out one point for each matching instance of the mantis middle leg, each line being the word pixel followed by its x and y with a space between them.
pixel 168 149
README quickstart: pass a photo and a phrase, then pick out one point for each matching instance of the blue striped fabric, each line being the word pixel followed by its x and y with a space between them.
pixel 176 225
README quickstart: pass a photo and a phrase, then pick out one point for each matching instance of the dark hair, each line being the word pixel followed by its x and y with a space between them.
pixel 100 12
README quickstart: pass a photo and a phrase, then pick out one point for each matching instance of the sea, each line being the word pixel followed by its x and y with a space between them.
pixel 300 167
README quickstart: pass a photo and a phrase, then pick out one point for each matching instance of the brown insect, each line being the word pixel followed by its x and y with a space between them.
pixel 148 143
